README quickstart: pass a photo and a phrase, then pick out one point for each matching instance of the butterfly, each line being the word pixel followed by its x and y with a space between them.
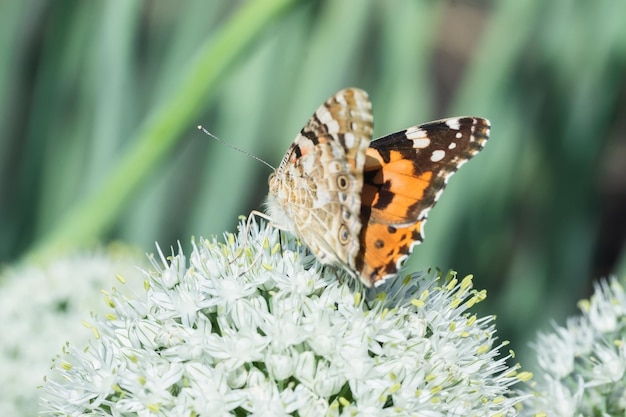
pixel 359 204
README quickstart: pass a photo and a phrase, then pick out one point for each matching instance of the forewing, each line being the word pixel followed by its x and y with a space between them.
pixel 319 181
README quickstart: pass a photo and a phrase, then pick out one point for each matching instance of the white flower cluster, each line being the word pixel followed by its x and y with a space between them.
pixel 256 327
pixel 583 365
pixel 41 308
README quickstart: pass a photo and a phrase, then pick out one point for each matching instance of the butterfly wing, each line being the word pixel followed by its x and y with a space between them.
pixel 404 175
pixel 316 190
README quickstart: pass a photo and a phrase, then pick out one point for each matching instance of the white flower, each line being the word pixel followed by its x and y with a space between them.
pixel 41 307
pixel 558 352
pixel 583 365
pixel 257 327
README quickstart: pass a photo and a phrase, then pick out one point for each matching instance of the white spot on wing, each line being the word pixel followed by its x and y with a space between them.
pixel 453 124
pixel 349 139
pixel 334 167
pixel 452 145
pixel 333 125
pixel 437 155
pixel 418 136
pixel 415 133
pixel 421 143
pixel 458 135
pixel 325 117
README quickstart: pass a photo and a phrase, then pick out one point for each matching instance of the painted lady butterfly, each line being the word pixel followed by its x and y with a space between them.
pixel 362 205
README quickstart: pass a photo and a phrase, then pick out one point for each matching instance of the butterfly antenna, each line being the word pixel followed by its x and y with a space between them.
pixel 200 127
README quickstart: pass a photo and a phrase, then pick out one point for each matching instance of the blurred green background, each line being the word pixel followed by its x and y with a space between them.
pixel 99 103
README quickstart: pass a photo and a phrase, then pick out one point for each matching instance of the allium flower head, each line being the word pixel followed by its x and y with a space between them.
pixel 41 308
pixel 256 327
pixel 583 364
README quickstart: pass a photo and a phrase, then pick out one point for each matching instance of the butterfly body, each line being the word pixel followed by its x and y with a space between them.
pixel 359 204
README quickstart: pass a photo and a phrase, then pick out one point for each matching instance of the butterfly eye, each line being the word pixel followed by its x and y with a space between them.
pixel 342 182
pixel 344 235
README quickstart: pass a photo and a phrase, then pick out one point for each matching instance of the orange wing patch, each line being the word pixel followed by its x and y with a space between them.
pixel 384 249
pixel 392 189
